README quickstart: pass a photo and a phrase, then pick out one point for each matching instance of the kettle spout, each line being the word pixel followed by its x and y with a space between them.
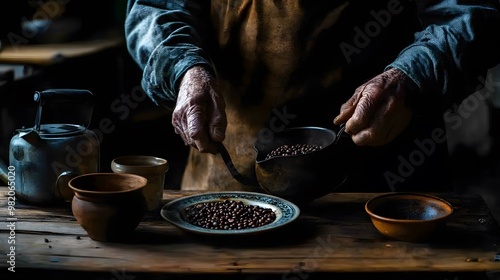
pixel 3 172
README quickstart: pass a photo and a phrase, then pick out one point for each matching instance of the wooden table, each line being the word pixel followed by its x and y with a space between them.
pixel 333 236
pixel 47 54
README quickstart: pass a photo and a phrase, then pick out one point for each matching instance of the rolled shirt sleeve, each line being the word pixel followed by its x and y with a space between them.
pixel 459 42
pixel 164 37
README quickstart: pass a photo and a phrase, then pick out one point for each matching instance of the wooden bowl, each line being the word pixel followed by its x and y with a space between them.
pixel 109 206
pixel 411 217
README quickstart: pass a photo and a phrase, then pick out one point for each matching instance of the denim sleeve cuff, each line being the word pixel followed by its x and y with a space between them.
pixel 161 81
pixel 426 77
pixel 419 62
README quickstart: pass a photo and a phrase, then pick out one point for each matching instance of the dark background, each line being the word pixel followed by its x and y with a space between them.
pixel 113 76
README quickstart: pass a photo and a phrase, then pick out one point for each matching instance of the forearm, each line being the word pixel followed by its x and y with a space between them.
pixel 165 41
pixel 456 47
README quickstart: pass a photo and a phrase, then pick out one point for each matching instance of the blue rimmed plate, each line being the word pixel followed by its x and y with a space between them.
pixel 285 211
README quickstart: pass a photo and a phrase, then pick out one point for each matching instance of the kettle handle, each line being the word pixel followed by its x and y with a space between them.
pixel 63 191
pixel 61 95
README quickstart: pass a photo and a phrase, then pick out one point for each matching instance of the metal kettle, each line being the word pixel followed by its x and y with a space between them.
pixel 45 157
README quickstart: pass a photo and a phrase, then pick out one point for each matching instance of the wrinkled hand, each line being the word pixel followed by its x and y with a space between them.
pixel 199 116
pixel 378 111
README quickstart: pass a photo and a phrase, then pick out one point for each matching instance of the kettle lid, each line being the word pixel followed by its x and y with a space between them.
pixel 60 130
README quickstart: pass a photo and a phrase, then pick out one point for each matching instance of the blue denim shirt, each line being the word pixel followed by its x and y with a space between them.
pixel 455 43
pixel 312 55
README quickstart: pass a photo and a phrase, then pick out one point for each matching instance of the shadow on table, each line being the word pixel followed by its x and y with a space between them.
pixel 290 234
pixel 124 274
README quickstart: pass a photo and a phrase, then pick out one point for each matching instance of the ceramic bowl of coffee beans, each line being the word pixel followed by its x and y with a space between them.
pixel 300 164
pixel 230 213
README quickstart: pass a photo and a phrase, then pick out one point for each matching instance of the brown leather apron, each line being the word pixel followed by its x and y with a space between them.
pixel 257 50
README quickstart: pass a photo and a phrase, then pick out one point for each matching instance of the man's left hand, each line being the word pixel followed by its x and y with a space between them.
pixel 378 110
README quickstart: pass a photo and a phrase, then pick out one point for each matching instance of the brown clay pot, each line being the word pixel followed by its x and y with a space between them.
pixel 410 217
pixel 109 206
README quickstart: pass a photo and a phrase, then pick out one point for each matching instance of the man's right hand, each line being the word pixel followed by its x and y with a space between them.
pixel 199 115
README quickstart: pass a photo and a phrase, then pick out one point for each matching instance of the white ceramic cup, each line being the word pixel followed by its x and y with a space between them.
pixel 152 168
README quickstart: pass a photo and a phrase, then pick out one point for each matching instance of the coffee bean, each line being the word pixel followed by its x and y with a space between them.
pixel 293 150
pixel 229 215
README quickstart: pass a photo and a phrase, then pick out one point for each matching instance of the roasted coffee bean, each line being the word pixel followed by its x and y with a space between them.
pixel 292 150
pixel 229 215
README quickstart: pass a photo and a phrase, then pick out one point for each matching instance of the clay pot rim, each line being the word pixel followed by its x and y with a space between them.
pixel 109 174
pixel 120 164
pixel 441 201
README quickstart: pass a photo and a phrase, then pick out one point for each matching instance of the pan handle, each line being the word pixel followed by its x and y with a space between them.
pixel 339 133
pixel 247 181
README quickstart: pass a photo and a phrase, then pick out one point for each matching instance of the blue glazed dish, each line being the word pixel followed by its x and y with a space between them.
pixel 286 211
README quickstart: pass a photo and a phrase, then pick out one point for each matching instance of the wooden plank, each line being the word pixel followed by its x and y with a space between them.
pixel 333 234
pixel 64 252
